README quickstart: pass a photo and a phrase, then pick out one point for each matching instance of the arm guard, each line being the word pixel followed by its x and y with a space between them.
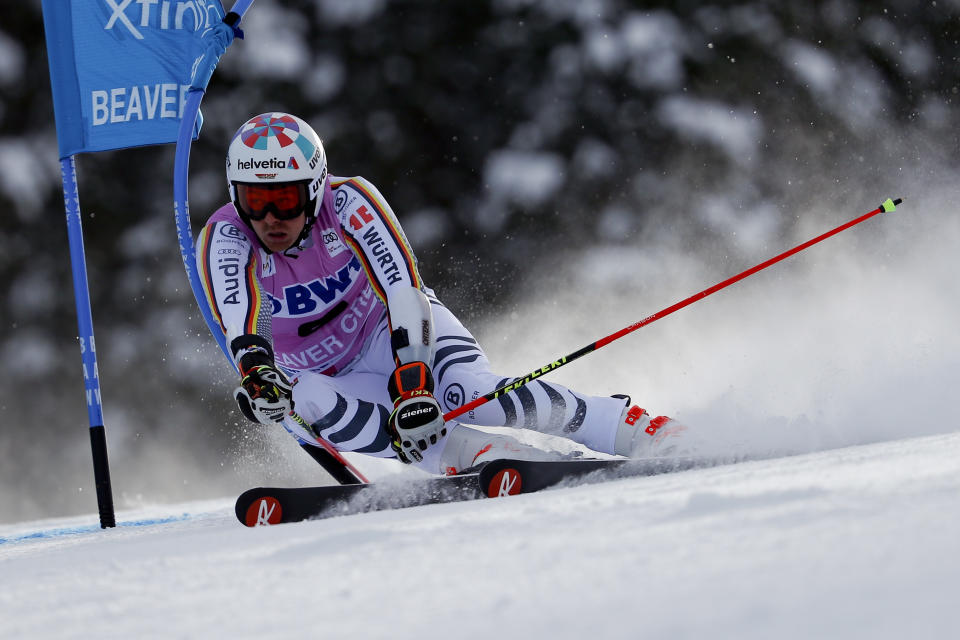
pixel 412 336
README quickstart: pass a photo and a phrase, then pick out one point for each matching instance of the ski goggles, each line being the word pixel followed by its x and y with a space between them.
pixel 285 201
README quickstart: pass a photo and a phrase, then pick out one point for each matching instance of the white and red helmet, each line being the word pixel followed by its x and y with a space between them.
pixel 277 149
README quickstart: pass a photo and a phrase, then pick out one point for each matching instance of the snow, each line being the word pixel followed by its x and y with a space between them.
pixel 32 294
pixel 814 67
pixel 334 12
pixel 326 77
pixel 734 130
pixel 35 354
pixel 594 158
pixel 427 227
pixel 22 176
pixel 854 92
pixel 274 46
pixel 524 176
pixel 851 543
pixel 11 60
pixel 656 45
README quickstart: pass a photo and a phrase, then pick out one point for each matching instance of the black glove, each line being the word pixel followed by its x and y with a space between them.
pixel 417 421
pixel 264 395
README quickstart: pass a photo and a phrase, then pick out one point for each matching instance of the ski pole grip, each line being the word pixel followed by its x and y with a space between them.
pixel 890 205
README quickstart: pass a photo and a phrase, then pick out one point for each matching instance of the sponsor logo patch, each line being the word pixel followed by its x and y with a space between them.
pixel 361 218
pixel 272 163
pixel 231 231
pixel 265 511
pixel 505 483
pixel 454 395
pixel 306 298
pixel 331 240
pixel 269 267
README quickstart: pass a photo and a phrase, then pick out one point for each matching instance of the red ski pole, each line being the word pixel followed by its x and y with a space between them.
pixel 328 456
pixel 888 205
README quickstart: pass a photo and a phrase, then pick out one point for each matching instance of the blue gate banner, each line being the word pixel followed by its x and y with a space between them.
pixel 120 69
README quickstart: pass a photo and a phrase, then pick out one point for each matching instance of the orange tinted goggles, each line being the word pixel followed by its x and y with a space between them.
pixel 285 201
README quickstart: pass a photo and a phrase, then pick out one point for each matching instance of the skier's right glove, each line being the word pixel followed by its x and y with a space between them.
pixel 417 421
pixel 264 395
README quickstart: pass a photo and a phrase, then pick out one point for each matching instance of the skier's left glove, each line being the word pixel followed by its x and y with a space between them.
pixel 264 395
pixel 417 421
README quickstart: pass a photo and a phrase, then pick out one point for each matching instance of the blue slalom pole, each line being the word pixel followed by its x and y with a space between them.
pixel 181 208
pixel 181 171
pixel 88 349
pixel 240 8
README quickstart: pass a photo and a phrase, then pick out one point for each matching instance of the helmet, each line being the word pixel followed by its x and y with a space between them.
pixel 277 150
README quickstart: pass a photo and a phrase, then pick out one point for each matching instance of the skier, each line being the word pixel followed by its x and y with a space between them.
pixel 318 294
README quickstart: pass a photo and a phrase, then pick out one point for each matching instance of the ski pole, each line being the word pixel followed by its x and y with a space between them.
pixel 327 455
pixel 888 205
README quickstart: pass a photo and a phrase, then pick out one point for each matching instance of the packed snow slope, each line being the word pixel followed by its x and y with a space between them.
pixel 858 542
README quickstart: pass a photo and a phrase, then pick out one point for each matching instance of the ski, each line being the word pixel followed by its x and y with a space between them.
pixel 510 477
pixel 269 505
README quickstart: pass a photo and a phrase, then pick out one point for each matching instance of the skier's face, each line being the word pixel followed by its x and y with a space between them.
pixel 278 235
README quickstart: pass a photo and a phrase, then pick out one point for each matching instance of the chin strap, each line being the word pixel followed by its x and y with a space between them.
pixel 304 234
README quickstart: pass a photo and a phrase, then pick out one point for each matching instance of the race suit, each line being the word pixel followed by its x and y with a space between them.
pixel 325 308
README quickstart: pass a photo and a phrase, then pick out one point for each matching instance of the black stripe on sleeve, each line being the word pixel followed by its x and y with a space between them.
pixel 333 417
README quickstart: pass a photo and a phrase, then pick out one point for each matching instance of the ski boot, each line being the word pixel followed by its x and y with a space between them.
pixel 468 449
pixel 640 436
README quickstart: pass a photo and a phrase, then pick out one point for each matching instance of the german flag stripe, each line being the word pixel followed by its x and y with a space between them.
pixel 206 238
pixel 367 269
pixel 254 295
pixel 383 210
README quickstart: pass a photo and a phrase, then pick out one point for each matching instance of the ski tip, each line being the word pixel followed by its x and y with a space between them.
pixel 890 204
pixel 261 510
pixel 505 482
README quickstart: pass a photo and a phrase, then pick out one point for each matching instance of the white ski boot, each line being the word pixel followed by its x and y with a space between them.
pixel 466 448
pixel 640 436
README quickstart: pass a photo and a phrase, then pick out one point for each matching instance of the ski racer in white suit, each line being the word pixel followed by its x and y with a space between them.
pixel 318 294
